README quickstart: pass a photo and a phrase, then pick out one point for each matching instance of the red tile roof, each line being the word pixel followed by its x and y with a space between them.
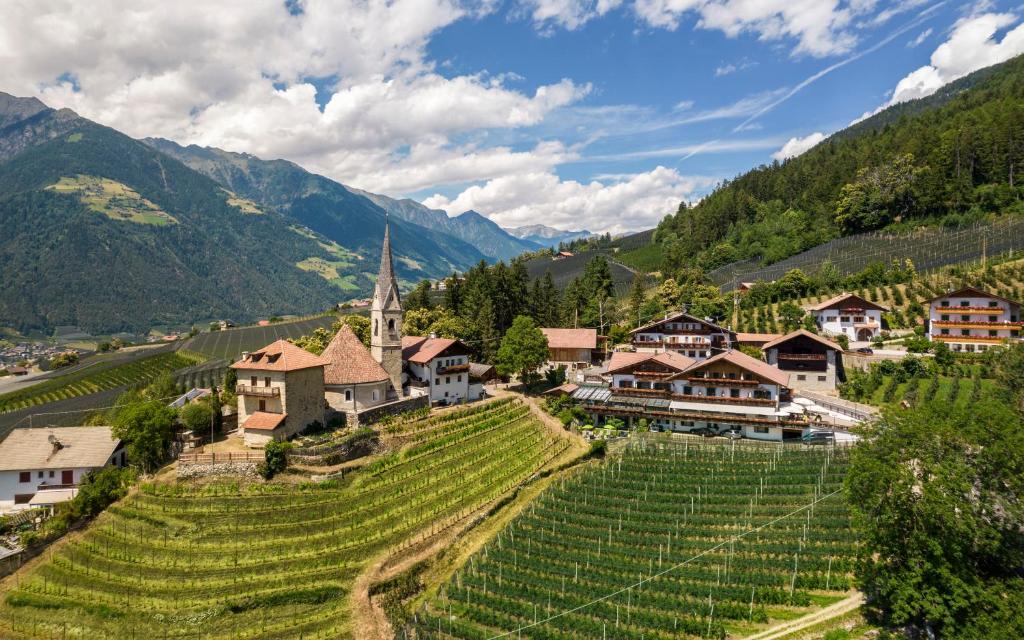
pixel 422 350
pixel 828 344
pixel 624 359
pixel 742 360
pixel 835 300
pixel 570 338
pixel 753 338
pixel 263 421
pixel 280 356
pixel 349 361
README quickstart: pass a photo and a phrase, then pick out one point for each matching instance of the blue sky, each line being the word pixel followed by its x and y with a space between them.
pixel 601 114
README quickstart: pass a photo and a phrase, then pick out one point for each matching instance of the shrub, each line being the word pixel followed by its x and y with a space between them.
pixel 276 458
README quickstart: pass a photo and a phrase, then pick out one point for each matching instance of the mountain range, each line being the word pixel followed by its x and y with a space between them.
pixel 545 236
pixel 110 233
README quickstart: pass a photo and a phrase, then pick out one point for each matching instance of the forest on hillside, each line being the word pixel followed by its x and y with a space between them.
pixel 950 159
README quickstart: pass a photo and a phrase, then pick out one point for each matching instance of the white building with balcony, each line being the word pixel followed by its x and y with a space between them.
pixel 850 315
pixel 437 367
pixel 973 320
pixel 684 334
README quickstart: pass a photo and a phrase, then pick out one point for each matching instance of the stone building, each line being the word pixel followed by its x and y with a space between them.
pixel 280 392
pixel 353 380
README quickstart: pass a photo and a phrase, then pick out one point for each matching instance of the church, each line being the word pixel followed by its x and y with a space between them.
pixel 397 373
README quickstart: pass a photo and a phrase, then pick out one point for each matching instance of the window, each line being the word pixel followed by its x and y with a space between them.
pixel 993 303
pixel 844 318
pixel 51 473
pixel 734 393
pixel 688 391
pixel 375 394
pixel 39 474
pixel 830 318
pixel 391 325
pixel 944 303
pixel 710 391
pixel 965 318
pixel 982 347
pixel 945 332
pixel 993 333
pixel 760 429
pixel 801 377
pixel 965 303
pixel 252 381
pixel 993 318
pixel 263 405
pixel 945 316
pixel 762 394
pixel 821 378
pixel 730 376
pixel 965 332
pixel 348 395
pixel 447 379
pixel 437 380
pixel 266 381
pixel 376 327
pixel 25 476
pixel 458 378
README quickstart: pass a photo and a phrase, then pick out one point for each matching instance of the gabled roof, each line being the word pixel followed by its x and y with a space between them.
pixel 570 338
pixel 743 361
pixel 676 317
pixel 422 350
pixel 280 356
pixel 743 337
pixel 973 292
pixel 833 301
pixel 482 370
pixel 828 344
pixel 625 359
pixel 72 447
pixel 349 361
pixel 263 421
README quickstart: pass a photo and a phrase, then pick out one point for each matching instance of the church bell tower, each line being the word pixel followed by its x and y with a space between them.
pixel 386 317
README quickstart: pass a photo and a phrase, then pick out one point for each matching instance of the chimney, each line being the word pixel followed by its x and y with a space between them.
pixel 245 355
pixel 433 335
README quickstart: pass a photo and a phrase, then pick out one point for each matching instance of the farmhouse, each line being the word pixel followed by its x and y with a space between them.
pixel 438 368
pixel 810 361
pixel 280 392
pixel 850 315
pixel 683 333
pixel 972 320
pixel 570 348
pixel 44 466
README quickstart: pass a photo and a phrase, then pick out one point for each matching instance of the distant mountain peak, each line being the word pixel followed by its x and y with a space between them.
pixel 546 236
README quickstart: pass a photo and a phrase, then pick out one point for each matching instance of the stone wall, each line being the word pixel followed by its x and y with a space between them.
pixel 373 414
pixel 218 469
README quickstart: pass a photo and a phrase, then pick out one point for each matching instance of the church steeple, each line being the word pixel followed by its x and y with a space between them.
pixel 386 290
pixel 386 316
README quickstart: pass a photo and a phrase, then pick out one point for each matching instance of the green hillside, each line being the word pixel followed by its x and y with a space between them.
pixel 948 159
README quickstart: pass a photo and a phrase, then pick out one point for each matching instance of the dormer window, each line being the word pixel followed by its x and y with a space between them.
pixel 272 359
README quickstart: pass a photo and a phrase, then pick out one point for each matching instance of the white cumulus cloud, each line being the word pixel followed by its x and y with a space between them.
pixel 621 203
pixel 797 146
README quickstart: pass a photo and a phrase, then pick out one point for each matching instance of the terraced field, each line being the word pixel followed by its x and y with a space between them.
pixel 89 380
pixel 230 343
pixel 670 540
pixel 270 560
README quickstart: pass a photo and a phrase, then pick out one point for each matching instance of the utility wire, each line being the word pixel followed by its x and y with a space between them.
pixel 668 570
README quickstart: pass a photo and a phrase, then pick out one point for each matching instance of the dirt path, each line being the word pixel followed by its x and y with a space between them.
pixel 789 627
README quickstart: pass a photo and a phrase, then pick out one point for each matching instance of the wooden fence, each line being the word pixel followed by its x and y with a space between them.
pixel 226 456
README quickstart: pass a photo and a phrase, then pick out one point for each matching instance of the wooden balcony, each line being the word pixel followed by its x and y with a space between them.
pixel 750 402
pixel 653 374
pixel 642 393
pixel 723 382
pixel 977 339
pixel 977 324
pixel 258 392
pixel 455 368
pixel 803 357
pixel 980 310
pixel 695 415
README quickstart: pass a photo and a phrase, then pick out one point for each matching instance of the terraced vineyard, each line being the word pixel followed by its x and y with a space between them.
pixel 270 560
pixel 669 540
pixel 230 343
pixel 90 380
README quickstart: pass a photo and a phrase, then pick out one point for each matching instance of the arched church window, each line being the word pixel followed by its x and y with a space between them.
pixel 391 325
pixel 348 395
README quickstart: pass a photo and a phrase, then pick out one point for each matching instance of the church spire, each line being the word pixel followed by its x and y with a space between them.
pixel 387 287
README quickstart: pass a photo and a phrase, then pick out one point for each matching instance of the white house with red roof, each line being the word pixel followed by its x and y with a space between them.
pixel 685 334
pixel 728 391
pixel 280 392
pixel 850 315
pixel 972 320
pixel 437 367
